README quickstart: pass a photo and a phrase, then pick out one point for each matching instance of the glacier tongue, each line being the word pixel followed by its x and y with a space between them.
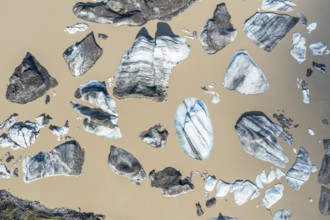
pixel 194 128
pixel 244 75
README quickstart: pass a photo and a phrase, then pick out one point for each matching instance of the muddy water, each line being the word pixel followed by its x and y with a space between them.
pixel 37 26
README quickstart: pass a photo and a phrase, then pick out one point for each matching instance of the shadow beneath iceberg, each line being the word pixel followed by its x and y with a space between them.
pixel 164 29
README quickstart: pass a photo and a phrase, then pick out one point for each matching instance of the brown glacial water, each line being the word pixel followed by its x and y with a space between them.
pixel 37 26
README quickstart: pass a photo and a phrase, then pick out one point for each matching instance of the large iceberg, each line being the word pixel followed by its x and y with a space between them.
pixel 102 121
pixel 244 75
pixel 125 164
pixel 29 81
pixel 258 135
pixel 194 128
pixel 98 122
pixel 130 12
pixel 81 56
pixel 299 173
pixel 170 182
pixel 66 159
pixel 145 68
pixel 267 29
pixel 218 31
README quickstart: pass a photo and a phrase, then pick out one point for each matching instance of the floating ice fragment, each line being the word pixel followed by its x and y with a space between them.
pixel 311 27
pixel 310 131
pixel 298 50
pixel 223 188
pixel 79 27
pixel 300 172
pixel 277 5
pixel 273 195
pixel 319 49
pixel 210 183
pixel 282 214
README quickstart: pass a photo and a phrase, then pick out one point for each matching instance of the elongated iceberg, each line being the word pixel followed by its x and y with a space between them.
pixel 194 128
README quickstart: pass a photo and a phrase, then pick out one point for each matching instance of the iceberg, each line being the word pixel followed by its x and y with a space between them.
pixel 244 75
pixel 267 29
pixel 300 172
pixel 66 159
pixel 273 195
pixel 298 50
pixel 194 129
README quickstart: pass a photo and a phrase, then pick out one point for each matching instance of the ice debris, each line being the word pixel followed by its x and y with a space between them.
pixel 273 195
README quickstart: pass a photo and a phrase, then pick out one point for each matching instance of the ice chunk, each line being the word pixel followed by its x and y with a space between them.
pixel 4 172
pixel 310 131
pixel 99 122
pixel 95 93
pixel 324 173
pixel 10 121
pixel 66 159
pixel 324 203
pixel 298 50
pixel 154 136
pixel 273 195
pixel 81 56
pixel 319 49
pixel 223 188
pixel 282 214
pixel 277 5
pixel 311 27
pixel 210 183
pixel 218 31
pixel 244 191
pixel 304 89
pixel 78 27
pixel 320 67
pixel 125 164
pixel 145 68
pixel 170 182
pixel 244 75
pixel 267 29
pixel 60 131
pixel 194 128
pixel 258 135
pixel 262 179
pixel 299 173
